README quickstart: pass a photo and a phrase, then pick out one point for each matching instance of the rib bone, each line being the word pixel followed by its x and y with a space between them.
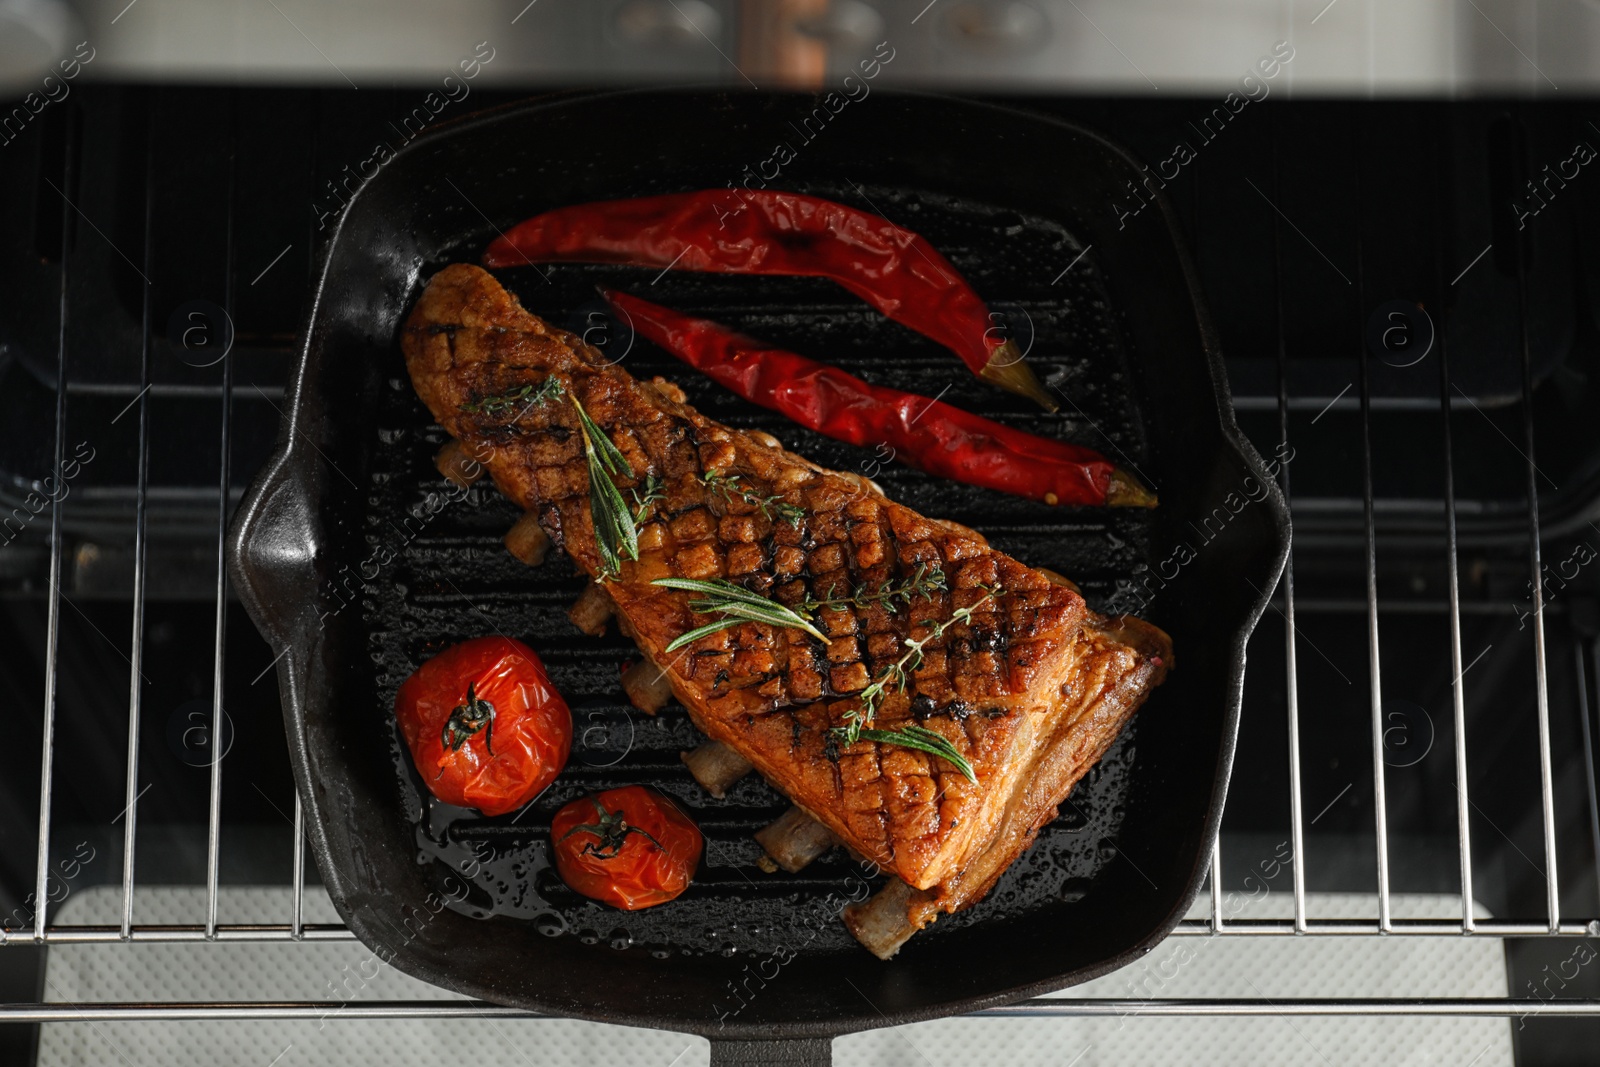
pixel 794 839
pixel 885 921
pixel 591 610
pixel 716 766
pixel 647 686
pixel 527 540
pixel 455 462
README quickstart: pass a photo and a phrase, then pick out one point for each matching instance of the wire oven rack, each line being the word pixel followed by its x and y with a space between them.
pixel 1554 924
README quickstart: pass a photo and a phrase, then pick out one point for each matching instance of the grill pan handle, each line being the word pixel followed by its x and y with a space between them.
pixel 794 1052
pixel 273 548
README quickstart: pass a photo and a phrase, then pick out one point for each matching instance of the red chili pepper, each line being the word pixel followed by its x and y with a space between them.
pixel 774 232
pixel 923 432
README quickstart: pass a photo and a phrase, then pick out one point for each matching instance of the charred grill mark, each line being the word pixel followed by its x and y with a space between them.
pixel 988 640
pixel 449 331
pixel 924 707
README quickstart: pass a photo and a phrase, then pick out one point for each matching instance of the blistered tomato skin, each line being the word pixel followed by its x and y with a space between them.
pixel 630 847
pixel 485 727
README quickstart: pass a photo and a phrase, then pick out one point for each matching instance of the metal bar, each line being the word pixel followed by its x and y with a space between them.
pixel 1397 927
pixel 184 934
pixel 1043 1007
pixel 1291 666
pixel 218 750
pixel 1195 188
pixel 41 888
pixel 1374 656
pixel 171 390
pixel 281 932
pixel 1541 685
pixel 1217 923
pixel 1457 671
pixel 140 549
pixel 1216 884
pixel 1315 403
pixel 1588 752
pixel 1480 1007
pixel 1332 606
pixel 298 924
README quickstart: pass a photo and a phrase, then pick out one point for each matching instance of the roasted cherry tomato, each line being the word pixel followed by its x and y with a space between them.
pixel 485 727
pixel 629 847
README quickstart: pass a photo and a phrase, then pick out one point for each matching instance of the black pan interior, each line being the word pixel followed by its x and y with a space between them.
pixel 352 550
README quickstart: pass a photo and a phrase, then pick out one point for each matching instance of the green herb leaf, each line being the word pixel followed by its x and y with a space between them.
pixel 712 587
pixel 772 507
pixel 924 740
pixel 920 585
pixel 895 675
pixel 771 613
pixel 653 492
pixel 703 631
pixel 549 389
pixel 615 533
pixel 737 601
pixel 610 456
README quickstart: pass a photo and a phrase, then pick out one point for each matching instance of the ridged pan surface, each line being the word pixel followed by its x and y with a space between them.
pixel 353 552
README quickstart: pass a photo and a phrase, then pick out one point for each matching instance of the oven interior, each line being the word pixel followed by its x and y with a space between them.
pixel 1334 240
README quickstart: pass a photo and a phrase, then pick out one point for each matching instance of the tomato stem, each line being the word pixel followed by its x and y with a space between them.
pixel 467 719
pixel 612 830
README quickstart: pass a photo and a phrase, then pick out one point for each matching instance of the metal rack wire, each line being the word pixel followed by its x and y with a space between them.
pixel 209 929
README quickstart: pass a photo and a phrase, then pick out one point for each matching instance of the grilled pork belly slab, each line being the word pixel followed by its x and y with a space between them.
pixel 1119 660
pixel 1028 686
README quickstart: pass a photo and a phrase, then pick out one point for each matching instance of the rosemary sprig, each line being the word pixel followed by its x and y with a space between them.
pixel 774 508
pixel 920 586
pixel 894 677
pixel 615 533
pixel 924 740
pixel 736 604
pixel 548 389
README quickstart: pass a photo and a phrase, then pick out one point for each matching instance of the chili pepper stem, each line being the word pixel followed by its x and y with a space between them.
pixel 1007 370
pixel 1126 491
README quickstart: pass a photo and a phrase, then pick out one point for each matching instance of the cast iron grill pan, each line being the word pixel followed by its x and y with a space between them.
pixel 353 552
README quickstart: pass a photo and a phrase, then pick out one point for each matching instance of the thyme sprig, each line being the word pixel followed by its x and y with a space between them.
pixel 894 678
pixel 920 586
pixel 774 508
pixel 549 389
pixel 736 604
pixel 654 492
pixel 616 534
